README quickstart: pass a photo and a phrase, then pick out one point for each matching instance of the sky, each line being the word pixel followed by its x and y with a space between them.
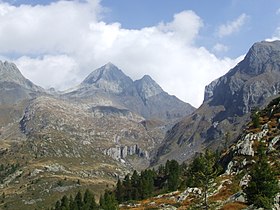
pixel 182 44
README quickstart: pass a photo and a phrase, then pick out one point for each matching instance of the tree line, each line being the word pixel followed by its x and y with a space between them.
pixel 201 172
pixel 87 201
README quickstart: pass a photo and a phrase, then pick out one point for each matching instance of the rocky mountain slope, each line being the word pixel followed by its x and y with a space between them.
pixel 15 91
pixel 227 104
pixel 108 85
pixel 87 137
pixel 13 86
pixel 227 191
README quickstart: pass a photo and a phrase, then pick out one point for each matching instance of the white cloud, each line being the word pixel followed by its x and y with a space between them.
pixel 59 44
pixel 185 26
pixel 220 48
pixel 233 26
pixel 278 12
pixel 50 71
pixel 275 36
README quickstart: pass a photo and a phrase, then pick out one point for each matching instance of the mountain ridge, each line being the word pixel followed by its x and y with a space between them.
pixel 227 105
pixel 108 83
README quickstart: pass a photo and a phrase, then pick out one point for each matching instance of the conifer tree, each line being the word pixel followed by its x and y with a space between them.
pixel 263 185
pixel 65 203
pixel 202 172
pixel 135 184
pixel 120 191
pixel 146 183
pixel 173 175
pixel 89 201
pixel 127 187
pixel 108 201
pixel 79 200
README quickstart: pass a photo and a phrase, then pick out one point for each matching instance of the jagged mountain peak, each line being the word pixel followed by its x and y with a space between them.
pixel 10 73
pixel 108 72
pixel 147 87
pixel 261 57
pixel 250 82
pixel 14 87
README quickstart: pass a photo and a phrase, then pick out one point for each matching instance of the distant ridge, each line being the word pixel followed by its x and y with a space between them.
pixel 144 96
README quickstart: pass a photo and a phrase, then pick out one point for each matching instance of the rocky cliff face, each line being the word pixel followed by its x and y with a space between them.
pixel 227 104
pixel 108 85
pixel 251 82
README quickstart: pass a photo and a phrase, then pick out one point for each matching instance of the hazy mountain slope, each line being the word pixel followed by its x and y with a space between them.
pixel 13 86
pixel 108 85
pixel 228 100
pixel 15 91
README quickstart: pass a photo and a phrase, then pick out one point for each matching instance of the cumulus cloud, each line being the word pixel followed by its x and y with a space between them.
pixel 275 36
pixel 185 26
pixel 58 71
pixel 220 48
pixel 233 26
pixel 59 44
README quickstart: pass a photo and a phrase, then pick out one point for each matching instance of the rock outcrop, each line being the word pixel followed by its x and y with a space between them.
pixel 227 105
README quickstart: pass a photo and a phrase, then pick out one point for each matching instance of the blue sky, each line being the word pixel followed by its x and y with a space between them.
pixel 261 23
pixel 182 44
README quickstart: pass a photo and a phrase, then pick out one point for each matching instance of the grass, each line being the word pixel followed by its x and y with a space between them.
pixel 234 206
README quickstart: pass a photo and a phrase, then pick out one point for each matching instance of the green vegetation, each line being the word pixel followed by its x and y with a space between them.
pixel 6 170
pixel 263 185
pixel 255 116
pixel 202 173
pixel 149 182
pixel 80 202
pixel 108 201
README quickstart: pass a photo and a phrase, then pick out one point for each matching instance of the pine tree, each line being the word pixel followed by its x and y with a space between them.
pixel 127 188
pixel 65 203
pixel 108 201
pixel 135 184
pixel 79 200
pixel 146 183
pixel 263 185
pixel 57 205
pixel 71 202
pixel 120 191
pixel 202 173
pixel 173 175
pixel 89 201
pixel 255 116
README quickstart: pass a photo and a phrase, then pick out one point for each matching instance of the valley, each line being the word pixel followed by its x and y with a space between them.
pixel 94 134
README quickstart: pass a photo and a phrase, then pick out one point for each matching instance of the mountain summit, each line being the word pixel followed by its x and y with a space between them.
pixel 251 82
pixel 108 78
pixel 227 104
pixel 14 86
pixel 147 87
pixel 109 85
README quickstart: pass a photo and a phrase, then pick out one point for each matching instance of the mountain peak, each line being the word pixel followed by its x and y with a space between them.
pixel 9 72
pixel 262 57
pixel 108 78
pixel 147 87
pixel 109 65
pixel 14 86
pixel 108 72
